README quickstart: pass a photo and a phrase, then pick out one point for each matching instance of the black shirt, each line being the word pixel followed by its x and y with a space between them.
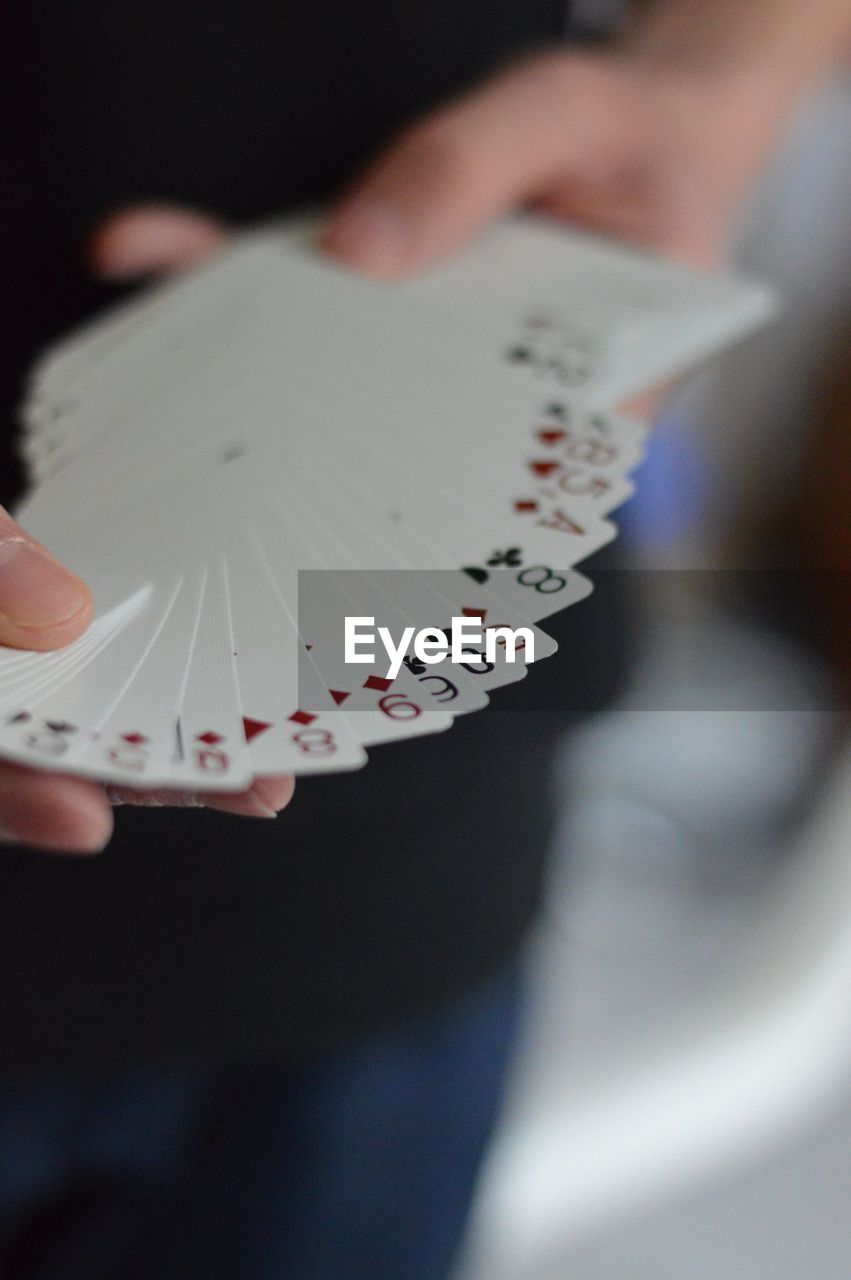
pixel 375 894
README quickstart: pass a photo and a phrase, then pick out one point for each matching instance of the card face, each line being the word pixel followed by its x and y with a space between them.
pixel 381 706
pixel 390 339
pixel 244 460
pixel 377 708
pixel 596 318
pixel 404 597
pixel 587 316
pixel 210 750
pixel 62 363
pixel 381 536
pixel 50 717
pixel 273 672
pixel 431 599
pixel 135 742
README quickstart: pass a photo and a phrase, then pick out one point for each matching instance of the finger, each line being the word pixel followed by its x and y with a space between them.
pixel 52 812
pixel 154 239
pixel 42 604
pixel 647 406
pixel 490 150
pixel 266 797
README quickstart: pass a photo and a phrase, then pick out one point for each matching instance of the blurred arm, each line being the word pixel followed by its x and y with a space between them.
pixel 802 41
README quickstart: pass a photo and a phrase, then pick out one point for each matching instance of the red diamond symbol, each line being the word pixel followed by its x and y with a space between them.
pixel 543 468
pixel 475 613
pixel 338 696
pixel 525 506
pixel 135 739
pixel 551 436
pixel 377 682
pixel 251 728
pixel 302 717
pixel 209 737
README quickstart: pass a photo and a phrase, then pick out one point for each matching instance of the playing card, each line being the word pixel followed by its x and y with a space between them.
pixel 379 709
pixel 210 746
pixel 134 742
pixel 277 425
pixel 406 596
pixel 586 315
pixel 273 668
pixel 582 312
pixel 251 461
pixel 50 717
pixel 91 343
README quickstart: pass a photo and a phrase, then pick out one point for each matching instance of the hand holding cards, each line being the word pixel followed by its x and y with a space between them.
pixel 240 461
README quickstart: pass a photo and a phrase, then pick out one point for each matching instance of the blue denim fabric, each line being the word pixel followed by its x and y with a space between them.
pixel 357 1166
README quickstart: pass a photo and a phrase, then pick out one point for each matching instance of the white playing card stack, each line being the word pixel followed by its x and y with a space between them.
pixel 430 450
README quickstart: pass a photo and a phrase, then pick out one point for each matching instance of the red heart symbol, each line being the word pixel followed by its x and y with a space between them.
pixel 550 435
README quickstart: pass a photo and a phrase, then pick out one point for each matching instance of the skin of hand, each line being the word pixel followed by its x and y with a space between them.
pixel 44 606
pixel 657 151
pixel 656 154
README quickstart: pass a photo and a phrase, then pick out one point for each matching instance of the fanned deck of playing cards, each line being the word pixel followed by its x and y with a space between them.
pixel 241 460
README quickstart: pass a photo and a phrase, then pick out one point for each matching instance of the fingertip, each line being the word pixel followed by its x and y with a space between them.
pixel 43 605
pixel 370 237
pixel 152 239
pixel 53 813
pixel 88 824
pixel 276 792
pixel 47 638
pixel 265 798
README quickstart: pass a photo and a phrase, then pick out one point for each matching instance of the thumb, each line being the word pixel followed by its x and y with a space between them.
pixel 42 605
pixel 155 239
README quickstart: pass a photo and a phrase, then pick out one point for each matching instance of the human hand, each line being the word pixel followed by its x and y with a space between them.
pixel 646 150
pixel 651 152
pixel 43 606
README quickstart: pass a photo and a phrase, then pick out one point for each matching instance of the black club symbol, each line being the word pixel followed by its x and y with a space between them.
pixel 511 558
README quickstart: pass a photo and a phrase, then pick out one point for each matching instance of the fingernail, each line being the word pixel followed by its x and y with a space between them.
pixel 373 235
pixel 244 805
pixel 257 807
pixel 35 591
